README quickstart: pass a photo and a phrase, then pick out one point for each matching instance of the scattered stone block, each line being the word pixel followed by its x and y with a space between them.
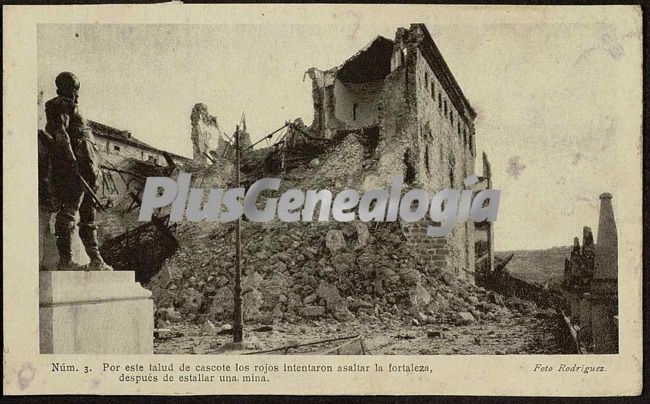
pixel 434 334
pixel 174 316
pixel 162 333
pixel 363 235
pixel 335 241
pixel 225 329
pixel 208 327
pixel 419 296
pixel 421 317
pixel 237 346
pixel 448 278
pixel 472 299
pixel 251 303
pixel 406 335
pixel 310 299
pixel 464 318
pixel 312 311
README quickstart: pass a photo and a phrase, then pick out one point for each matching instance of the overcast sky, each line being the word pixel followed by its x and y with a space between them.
pixel 551 98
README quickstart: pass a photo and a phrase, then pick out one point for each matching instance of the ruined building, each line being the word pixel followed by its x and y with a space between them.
pixel 126 161
pixel 590 285
pixel 484 231
pixel 392 109
pixel 401 94
pixel 208 141
pixel 206 134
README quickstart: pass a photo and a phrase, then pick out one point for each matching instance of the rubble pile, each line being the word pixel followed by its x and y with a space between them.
pixel 295 271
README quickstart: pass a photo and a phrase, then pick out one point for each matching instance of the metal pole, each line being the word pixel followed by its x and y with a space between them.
pixel 238 327
pixel 487 168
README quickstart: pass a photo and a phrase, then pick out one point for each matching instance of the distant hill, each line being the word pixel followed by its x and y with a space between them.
pixel 538 265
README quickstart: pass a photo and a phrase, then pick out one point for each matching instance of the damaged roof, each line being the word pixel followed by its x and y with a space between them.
pixel 125 137
pixel 370 63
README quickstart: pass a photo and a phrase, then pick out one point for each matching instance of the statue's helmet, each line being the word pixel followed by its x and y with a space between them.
pixel 67 82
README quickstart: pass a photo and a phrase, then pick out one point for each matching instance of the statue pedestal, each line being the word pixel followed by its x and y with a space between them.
pixel 94 312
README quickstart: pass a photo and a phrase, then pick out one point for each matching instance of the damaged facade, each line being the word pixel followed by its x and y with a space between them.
pixel 126 161
pixel 484 231
pixel 208 141
pixel 402 92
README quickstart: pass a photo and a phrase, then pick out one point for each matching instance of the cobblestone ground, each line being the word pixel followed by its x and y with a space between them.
pixel 514 335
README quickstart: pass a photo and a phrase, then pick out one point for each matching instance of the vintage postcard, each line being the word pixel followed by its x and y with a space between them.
pixel 322 199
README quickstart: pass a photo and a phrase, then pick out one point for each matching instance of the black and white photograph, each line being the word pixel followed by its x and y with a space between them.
pixel 417 184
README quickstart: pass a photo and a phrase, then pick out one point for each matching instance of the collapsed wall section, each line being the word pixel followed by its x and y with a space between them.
pixel 357 104
pixel 347 97
pixel 205 133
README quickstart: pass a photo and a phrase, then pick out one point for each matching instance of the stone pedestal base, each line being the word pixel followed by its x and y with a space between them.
pixel 94 312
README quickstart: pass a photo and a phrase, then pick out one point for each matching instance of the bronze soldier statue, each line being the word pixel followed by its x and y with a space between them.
pixel 73 160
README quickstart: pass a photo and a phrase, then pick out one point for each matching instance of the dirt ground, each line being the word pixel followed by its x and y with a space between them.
pixel 513 335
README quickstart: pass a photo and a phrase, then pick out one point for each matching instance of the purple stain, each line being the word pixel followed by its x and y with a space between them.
pixel 515 167
pixel 26 375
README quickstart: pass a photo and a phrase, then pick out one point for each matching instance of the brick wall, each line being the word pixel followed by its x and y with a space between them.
pixel 435 251
pixel 443 159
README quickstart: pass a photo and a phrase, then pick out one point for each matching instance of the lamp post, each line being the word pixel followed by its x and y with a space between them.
pixel 238 327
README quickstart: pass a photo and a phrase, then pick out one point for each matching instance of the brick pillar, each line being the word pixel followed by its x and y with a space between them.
pixel 604 284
